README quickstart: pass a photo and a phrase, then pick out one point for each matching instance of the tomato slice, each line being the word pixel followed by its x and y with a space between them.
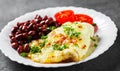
pixel 83 18
pixel 64 16
pixel 68 15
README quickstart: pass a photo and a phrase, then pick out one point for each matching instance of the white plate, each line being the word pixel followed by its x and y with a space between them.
pixel 107 33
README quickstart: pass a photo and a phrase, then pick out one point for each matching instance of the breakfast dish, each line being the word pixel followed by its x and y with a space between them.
pixel 57 37
pixel 43 40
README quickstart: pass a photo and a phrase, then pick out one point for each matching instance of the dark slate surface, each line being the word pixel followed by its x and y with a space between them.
pixel 109 61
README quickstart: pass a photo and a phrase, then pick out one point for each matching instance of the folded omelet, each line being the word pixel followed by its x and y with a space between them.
pixel 70 42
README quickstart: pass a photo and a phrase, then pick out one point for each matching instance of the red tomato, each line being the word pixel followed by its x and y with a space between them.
pixel 83 18
pixel 95 27
pixel 64 16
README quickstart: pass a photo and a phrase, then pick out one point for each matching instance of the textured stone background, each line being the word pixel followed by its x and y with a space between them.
pixel 109 61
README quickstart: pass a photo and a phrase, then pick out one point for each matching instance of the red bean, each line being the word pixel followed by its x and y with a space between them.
pixel 26 47
pixel 32 21
pixel 19 24
pixel 44 30
pixel 40 33
pixel 27 23
pixel 49 21
pixel 20 42
pixel 24 28
pixel 14 45
pixel 40 29
pixel 19 36
pixel 34 26
pixel 13 39
pixel 38 17
pixel 30 26
pixel 11 35
pixel 42 22
pixel 18 32
pixel 37 20
pixel 45 18
pixel 44 26
pixel 20 49
pixel 14 29
pixel 31 33
pixel 56 24
pixel 38 25
pixel 25 34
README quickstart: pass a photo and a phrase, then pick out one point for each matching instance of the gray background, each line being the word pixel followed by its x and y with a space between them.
pixel 109 61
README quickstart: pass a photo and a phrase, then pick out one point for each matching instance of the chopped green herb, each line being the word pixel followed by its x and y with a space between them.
pixel 70 31
pixel 58 47
pixel 51 28
pixel 43 43
pixel 75 23
pixel 76 45
pixel 35 49
pixel 43 37
pixel 95 45
pixel 76 34
pixel 92 38
pixel 24 54
pixel 64 46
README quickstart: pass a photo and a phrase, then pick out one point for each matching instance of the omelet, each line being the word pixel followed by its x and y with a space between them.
pixel 71 42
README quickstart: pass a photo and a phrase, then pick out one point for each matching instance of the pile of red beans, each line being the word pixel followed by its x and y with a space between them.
pixel 24 32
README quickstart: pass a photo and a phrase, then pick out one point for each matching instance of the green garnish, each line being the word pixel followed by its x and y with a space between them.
pixel 35 49
pixel 76 45
pixel 44 40
pixel 76 34
pixel 44 37
pixel 24 54
pixel 51 28
pixel 64 46
pixel 95 45
pixel 43 43
pixel 92 38
pixel 70 31
pixel 58 47
pixel 75 23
